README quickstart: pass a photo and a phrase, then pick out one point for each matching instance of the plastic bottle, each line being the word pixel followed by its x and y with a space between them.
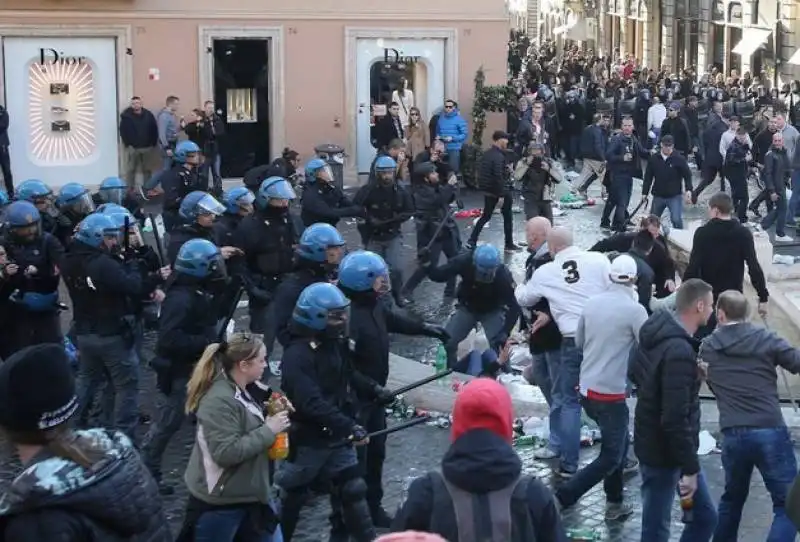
pixel 526 440
pixel 440 364
pixel 280 448
pixel 687 509
pixel 413 474
pixel 583 535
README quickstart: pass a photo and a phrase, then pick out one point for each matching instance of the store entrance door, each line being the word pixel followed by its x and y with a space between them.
pixel 387 69
pixel 241 95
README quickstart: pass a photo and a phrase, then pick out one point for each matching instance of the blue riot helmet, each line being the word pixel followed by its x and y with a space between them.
pixel 317 168
pixel 24 221
pixel 4 199
pixel 112 190
pixel 364 271
pixel 202 259
pixel 197 204
pixel 321 243
pixel 36 192
pixel 644 94
pixel 323 308
pixel 486 260
pixel 186 151
pixel 237 200
pixel 119 215
pixel 74 198
pixel 97 231
pixel 385 169
pixel 275 192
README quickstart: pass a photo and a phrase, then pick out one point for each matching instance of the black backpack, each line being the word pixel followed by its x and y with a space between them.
pixel 508 519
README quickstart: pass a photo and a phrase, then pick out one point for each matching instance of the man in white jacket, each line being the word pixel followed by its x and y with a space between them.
pixel 567 283
pixel 728 137
pixel 655 117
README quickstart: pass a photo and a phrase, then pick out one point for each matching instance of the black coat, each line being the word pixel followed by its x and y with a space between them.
pixel 668 178
pixel 492 172
pixel 326 203
pixel 386 130
pixel 285 298
pixel 667 417
pixel 139 131
pixel 117 502
pixel 711 138
pixel 184 233
pixel 478 462
pixel 659 258
pixel 777 169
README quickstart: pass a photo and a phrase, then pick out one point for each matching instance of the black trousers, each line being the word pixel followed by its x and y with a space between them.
pixel 738 181
pixel 489 204
pixel 5 169
pixel 709 174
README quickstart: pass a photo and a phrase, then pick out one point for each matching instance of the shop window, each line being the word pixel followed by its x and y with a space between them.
pixel 241 104
pixel 62 111
pixel 680 39
pixel 405 83
pixel 734 60
pixel 718 11
pixel 694 42
pixel 735 13
pixel 718 53
pixel 754 13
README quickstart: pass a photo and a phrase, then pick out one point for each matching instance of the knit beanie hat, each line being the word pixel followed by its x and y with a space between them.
pixel 37 389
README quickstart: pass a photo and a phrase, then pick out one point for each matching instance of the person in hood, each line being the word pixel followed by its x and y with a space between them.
pixel 139 133
pixel 667 418
pixel 481 470
pixel 452 129
pixel 741 361
pixel 75 486
pixel 720 250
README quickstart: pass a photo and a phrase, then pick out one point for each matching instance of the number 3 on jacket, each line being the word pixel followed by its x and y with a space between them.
pixel 570 268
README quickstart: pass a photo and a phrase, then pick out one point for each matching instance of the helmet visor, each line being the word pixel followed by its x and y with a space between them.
pixel 485 274
pixel 382 284
pixel 338 325
pixel 83 204
pixel 217 271
pixel 112 195
pixel 208 205
pixel 325 173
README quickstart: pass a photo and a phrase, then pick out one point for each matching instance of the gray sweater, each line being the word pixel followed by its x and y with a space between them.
pixel 742 373
pixel 607 330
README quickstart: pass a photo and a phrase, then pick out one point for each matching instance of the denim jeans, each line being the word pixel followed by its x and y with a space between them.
pixel 112 360
pixel 222 524
pixel 659 489
pixel 454 158
pixel 545 365
pixel 463 322
pixel 675 206
pixel 612 419
pixel 777 215
pixel 566 400
pixel 170 418
pixel 791 210
pixel 769 450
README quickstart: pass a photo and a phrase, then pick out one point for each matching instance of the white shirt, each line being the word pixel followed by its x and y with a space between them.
pixel 567 283
pixel 655 116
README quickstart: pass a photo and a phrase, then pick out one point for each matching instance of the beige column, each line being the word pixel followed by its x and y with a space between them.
pixel 667 33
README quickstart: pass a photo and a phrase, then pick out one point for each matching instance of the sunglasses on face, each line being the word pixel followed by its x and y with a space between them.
pixel 448 107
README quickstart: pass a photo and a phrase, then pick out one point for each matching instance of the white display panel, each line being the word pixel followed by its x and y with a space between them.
pixel 61 95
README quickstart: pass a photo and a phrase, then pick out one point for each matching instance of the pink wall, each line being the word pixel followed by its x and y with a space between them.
pixel 314 60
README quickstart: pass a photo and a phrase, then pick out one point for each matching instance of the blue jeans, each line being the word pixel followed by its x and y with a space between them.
pixel 777 215
pixel 770 451
pixel 454 157
pixel 545 365
pixel 566 401
pixel 791 210
pixel 221 525
pixel 462 322
pixel 612 419
pixel 675 206
pixel 659 489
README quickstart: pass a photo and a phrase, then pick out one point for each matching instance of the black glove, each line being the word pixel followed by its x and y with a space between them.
pixel 260 295
pixel 383 396
pixel 435 331
pixel 358 433
pixel 424 256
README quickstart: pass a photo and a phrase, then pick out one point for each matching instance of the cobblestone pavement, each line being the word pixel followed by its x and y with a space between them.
pixel 422 447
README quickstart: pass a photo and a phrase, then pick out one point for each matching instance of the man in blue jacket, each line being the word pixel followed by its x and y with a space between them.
pixel 624 162
pixel 452 129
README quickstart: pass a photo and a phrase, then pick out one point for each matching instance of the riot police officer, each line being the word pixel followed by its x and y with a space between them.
pixel 362 278
pixel 188 323
pixel 41 196
pixel 37 256
pixel 238 204
pixel 322 200
pixel 432 201
pixel 74 203
pixel 198 210
pixel 114 190
pixel 267 238
pixel 485 294
pixel 387 206
pixel 180 180
pixel 317 257
pixel 318 382
pixel 103 289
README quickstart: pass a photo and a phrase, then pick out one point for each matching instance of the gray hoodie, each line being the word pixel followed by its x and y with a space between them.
pixel 742 373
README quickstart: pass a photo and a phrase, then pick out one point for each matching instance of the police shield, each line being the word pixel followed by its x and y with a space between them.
pixel 703 107
pixel 727 108
pixel 605 106
pixel 627 107
pixel 745 110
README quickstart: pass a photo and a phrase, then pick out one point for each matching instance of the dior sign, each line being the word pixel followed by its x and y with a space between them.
pixel 393 56
pixel 51 56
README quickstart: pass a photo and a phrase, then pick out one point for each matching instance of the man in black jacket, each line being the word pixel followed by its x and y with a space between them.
pixel 5 158
pixel 737 162
pixel 139 133
pixel 777 168
pixel 593 152
pixel 667 419
pixel 624 156
pixel 691 116
pixel 713 160
pixel 678 128
pixel 669 175
pixel 493 182
pixel 388 128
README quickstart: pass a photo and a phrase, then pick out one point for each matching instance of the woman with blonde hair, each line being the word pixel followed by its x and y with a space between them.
pixel 228 471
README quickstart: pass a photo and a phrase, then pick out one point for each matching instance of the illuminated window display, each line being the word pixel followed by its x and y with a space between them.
pixel 62 112
pixel 242 105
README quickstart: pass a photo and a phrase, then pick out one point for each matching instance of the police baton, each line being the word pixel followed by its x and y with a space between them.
pixel 418 383
pixel 782 371
pixel 389 430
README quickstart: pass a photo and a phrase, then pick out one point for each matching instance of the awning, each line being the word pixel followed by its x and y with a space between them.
pixel 580 31
pixel 795 59
pixel 752 39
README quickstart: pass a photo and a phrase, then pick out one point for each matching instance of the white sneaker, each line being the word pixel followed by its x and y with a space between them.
pixel 545 453
pixel 783 239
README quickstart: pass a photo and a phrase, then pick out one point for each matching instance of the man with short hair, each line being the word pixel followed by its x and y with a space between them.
pixel 607 331
pixel 669 176
pixel 452 129
pixel 567 283
pixel 667 418
pixel 741 361
pixel 138 131
pixel 777 169
pixel 624 163
pixel 593 153
pixel 216 127
pixel 737 163
pixel 388 128
pixel 728 137
pixel 678 128
pixel 169 126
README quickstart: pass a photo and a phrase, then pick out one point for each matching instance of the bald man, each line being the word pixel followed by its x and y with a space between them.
pixel 545 339
pixel 777 169
pixel 566 283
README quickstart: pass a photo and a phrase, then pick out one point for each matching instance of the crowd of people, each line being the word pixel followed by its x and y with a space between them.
pixel 599 322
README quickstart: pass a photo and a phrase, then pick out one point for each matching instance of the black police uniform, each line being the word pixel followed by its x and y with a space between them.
pixel 324 202
pixel 34 298
pixel 224 228
pixel 267 238
pixel 432 202
pixel 106 292
pixel 735 167
pixel 177 183
pixel 58 225
pixel 320 383
pixel 187 325
pixel 187 232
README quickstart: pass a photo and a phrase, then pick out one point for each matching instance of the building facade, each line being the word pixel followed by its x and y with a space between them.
pixel 305 73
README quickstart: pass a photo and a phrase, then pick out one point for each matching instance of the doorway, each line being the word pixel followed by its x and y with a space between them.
pixel 241 76
pixel 385 68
